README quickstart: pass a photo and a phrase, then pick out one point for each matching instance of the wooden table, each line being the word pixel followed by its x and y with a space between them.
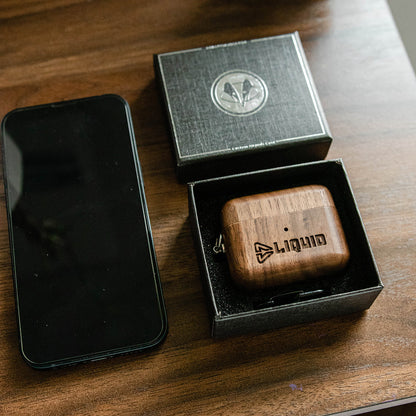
pixel 64 49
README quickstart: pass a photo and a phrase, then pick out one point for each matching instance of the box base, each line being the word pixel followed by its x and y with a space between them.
pixel 235 310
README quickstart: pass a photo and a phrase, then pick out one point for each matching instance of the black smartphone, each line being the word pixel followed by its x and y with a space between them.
pixel 87 285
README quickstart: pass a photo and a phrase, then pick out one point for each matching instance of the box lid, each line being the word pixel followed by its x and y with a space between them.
pixel 242 106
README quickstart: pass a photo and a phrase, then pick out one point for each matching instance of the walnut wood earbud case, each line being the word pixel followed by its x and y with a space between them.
pixel 283 237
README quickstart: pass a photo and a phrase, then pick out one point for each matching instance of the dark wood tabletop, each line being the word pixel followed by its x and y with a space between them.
pixel 65 49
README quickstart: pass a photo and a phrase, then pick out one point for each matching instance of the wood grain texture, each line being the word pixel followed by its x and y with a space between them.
pixel 283 237
pixel 63 49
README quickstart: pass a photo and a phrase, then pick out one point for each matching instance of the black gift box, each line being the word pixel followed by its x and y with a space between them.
pixel 237 108
pixel 235 311
pixel 242 106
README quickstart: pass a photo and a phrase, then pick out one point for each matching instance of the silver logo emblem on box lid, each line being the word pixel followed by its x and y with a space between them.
pixel 239 92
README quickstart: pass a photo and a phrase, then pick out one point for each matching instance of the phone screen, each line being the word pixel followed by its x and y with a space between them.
pixel 86 278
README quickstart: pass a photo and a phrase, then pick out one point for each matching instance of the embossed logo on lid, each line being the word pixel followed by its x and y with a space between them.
pixel 239 93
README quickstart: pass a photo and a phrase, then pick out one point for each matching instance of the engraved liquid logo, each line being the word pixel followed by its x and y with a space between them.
pixel 239 93
pixel 264 251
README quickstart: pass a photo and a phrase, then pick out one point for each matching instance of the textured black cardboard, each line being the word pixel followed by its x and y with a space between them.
pixel 233 310
pixel 242 106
